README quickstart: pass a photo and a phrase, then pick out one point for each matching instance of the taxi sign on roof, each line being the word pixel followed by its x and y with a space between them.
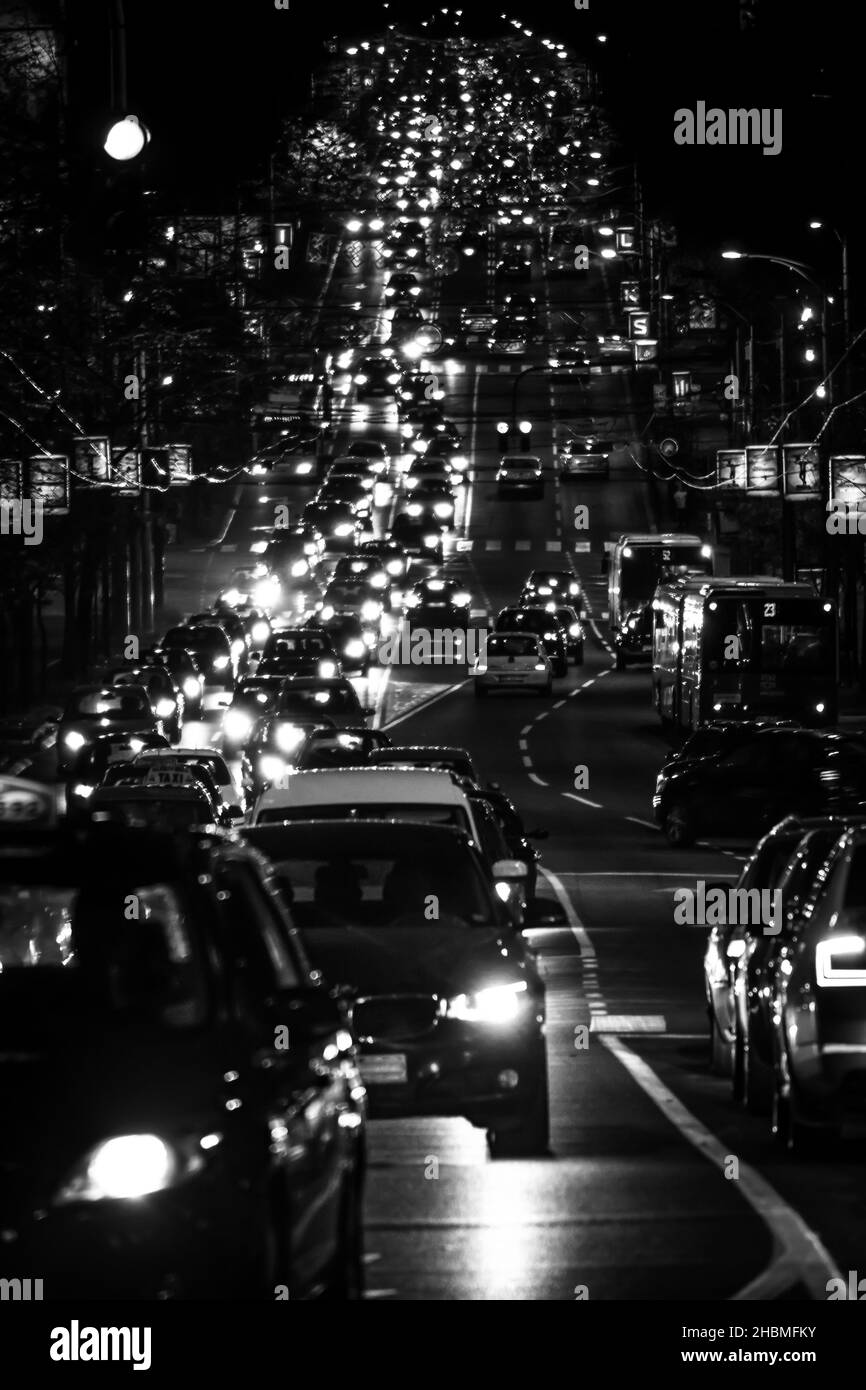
pixel 169 777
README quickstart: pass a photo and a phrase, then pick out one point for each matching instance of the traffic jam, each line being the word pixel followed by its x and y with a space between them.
pixel 452 886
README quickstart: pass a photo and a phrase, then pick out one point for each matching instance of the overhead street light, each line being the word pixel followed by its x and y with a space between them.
pixel 126 139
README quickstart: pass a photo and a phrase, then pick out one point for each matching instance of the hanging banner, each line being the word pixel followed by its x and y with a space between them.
pixel 179 464
pixel 48 482
pixel 91 456
pixel 801 473
pixel 762 469
pixel 848 481
pixel 731 469
pixel 11 480
pixel 629 294
pixel 126 467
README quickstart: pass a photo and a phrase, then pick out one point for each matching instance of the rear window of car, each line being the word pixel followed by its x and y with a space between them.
pixel 511 646
pixel 425 813
pixel 316 702
pixel 114 704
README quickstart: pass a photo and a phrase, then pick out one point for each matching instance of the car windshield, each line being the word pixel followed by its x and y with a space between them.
pixel 206 639
pixel 535 622
pixel 511 646
pixel 385 888
pixel 71 950
pixel 312 703
pixel 152 811
pixel 299 644
pixel 108 704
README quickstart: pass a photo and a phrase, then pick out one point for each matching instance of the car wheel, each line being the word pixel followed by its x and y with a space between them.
pixel 678 827
pixel 720 1051
pixel 529 1136
pixel 753 1079
pixel 789 1132
pixel 345 1280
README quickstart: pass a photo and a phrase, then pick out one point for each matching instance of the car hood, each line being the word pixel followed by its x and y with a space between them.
pixel 428 960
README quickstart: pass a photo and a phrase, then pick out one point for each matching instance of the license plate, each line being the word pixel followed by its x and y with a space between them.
pixel 386 1068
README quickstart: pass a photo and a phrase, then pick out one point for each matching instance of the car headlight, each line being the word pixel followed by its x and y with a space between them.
pixel 414 509
pixel 431 542
pixel 261 632
pixel 83 790
pixel 299 569
pixel 237 725
pixel 271 768
pixel 192 688
pixel 238 647
pixel 370 610
pixel 411 601
pixel 550 636
pixel 395 567
pixel 840 960
pixel 393 378
pixel 232 597
pixel 406 431
pixel 74 740
pixel 361 379
pixel 326 613
pixel 378 581
pixel 459 461
pixel 288 737
pixel 499 1004
pixel 420 446
pixel 164 709
pixel 355 649
pixel 267 591
pixel 462 599
pixel 129 1166
pixel 221 662
pixel 443 509
pixel 344 529
pixel 574 630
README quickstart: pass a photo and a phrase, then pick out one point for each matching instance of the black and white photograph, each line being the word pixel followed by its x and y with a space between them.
pixel 432 674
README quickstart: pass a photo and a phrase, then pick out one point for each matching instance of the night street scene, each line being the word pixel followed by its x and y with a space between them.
pixel 432 671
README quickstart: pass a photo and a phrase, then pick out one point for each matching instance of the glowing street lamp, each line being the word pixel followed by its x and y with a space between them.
pixel 126 139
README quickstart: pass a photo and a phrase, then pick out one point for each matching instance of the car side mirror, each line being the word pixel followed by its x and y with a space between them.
pixel 544 912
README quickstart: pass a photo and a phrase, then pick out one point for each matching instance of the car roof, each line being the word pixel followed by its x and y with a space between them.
pixel 315 831
pixel 519 458
pixel 326 786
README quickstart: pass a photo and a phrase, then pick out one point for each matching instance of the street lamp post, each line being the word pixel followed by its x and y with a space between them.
pixel 816 225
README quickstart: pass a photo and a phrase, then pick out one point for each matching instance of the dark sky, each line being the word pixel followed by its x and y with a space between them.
pixel 213 81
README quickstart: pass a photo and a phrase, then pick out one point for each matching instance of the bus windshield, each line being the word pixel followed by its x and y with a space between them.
pixel 643 568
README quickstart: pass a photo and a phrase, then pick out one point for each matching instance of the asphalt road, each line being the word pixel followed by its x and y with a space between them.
pixel 656 1186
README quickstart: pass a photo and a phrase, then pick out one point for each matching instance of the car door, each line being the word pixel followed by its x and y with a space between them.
pixel 737 790
pixel 303 1086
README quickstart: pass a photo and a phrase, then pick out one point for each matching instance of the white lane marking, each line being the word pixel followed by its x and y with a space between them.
pixel 493 545
pixel 587 684
pixel 553 545
pixel 521 743
pixel 425 704
pixel 537 780
pixel 799 1255
pixel 584 801
pixel 559 704
pixel 582 547
pixel 629 1023
pixel 380 698
pixel 527 762
pixel 539 717
pixel 522 545
pixel 525 730
pixel 464 543
pixel 647 824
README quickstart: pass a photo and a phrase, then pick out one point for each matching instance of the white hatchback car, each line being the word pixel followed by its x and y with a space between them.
pixel 513 660
pixel 520 473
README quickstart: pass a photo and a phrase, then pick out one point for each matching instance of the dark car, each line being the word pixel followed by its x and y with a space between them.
pixel 352 639
pixel 335 747
pixel 26 744
pixel 440 758
pixel 186 674
pixel 633 639
pixel 134 802
pixel 723 736
pixel 299 651
pixel 274 747
pixel 514 268
pixel 338 523
pixel 447 1000
pixel 437 602
pixel 376 376
pixel 544 625
pixel 575 635
pixel 517 837
pixel 252 698
pixel 314 700
pixel 390 554
pixel 87 769
pixel 92 710
pixel 179 1077
pixel 417 534
pixel 166 699
pixel 804 772
pixel 211 646
pixel 291 556
pixel 548 588
pixel 431 502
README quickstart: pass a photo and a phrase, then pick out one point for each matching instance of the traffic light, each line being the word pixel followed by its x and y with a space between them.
pixel 524 431
pixel 503 433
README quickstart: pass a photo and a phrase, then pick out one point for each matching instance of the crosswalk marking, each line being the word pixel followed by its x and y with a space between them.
pixel 581 547
pixel 522 545
pixel 554 545
pixel 493 545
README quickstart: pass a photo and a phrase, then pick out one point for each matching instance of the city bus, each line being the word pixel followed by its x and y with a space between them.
pixel 639 562
pixel 733 648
